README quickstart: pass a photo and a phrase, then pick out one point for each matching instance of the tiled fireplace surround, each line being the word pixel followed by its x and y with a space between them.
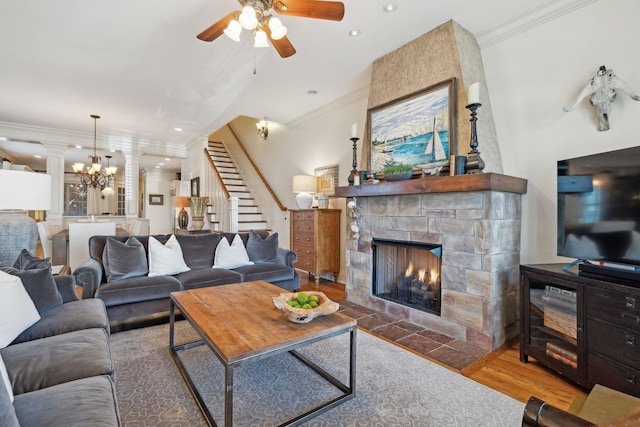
pixel 479 231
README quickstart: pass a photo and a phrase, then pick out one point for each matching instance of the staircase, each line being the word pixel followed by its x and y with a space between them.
pixel 249 215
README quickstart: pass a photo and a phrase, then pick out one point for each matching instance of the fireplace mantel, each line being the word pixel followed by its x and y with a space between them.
pixel 438 184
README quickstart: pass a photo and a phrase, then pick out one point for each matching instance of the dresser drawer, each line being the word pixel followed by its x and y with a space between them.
pixel 303 239
pixel 601 370
pixel 304 251
pixel 302 227
pixel 305 263
pixel 622 308
pixel 619 344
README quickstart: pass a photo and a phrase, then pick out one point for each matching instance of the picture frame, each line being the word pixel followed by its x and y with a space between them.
pixel 402 130
pixel 156 199
pixel 195 187
pixel 327 179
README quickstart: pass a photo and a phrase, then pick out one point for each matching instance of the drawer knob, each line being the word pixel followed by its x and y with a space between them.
pixel 630 340
pixel 631 378
pixel 630 302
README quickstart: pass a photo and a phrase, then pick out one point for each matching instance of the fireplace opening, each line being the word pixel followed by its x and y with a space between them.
pixel 407 273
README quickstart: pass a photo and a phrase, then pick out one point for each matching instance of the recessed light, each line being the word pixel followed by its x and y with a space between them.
pixel 157 167
pixel 354 33
pixel 37 156
pixel 312 92
pixel 78 146
pixel 389 7
pixel 167 159
pixel 178 129
pixel 161 164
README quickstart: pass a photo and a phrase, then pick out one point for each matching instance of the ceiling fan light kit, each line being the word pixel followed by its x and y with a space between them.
pixel 254 17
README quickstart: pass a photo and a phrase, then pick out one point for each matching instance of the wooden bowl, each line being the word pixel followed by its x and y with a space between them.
pixel 303 315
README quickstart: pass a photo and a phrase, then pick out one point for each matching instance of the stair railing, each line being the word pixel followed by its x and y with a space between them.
pixel 219 197
pixel 255 167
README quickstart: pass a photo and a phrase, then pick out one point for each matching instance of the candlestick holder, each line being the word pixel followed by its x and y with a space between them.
pixel 352 176
pixel 474 163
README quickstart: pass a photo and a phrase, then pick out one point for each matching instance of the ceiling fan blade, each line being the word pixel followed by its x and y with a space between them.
pixel 283 46
pixel 217 29
pixel 331 10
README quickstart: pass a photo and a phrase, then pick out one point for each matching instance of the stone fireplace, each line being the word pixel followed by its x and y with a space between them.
pixel 407 273
pixel 476 221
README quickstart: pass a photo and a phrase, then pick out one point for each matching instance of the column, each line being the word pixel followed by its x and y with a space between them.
pixel 131 174
pixel 55 168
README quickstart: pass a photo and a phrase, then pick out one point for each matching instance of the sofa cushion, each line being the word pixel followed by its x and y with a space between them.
pixel 58 359
pixel 123 260
pixel 88 401
pixel 4 376
pixel 231 256
pixel 208 277
pixel 137 289
pixel 27 261
pixel 262 249
pixel 198 249
pixel 68 317
pixel 8 416
pixel 40 286
pixel 268 271
pixel 17 311
pixel 165 259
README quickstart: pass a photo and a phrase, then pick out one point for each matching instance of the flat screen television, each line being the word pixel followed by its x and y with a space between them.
pixel 599 207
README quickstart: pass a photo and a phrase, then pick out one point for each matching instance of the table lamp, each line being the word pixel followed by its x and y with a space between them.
pixel 20 191
pixel 304 185
pixel 183 217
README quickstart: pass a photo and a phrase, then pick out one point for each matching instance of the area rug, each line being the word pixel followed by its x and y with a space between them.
pixel 394 387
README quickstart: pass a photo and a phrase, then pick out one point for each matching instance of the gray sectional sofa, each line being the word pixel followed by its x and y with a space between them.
pixel 60 368
pixel 119 269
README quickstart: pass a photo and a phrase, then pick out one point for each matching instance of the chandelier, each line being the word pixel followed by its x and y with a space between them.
pixel 94 176
pixel 252 18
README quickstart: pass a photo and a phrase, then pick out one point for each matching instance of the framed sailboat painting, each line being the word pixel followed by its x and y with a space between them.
pixel 417 129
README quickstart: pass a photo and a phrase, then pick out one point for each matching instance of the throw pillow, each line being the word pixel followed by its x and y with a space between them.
pixel 40 286
pixel 262 249
pixel 231 256
pixel 5 378
pixel 28 261
pixel 17 311
pixel 122 260
pixel 167 259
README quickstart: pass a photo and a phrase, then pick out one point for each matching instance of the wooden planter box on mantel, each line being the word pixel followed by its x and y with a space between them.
pixel 438 184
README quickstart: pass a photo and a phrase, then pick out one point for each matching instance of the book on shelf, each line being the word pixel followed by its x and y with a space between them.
pixel 562 353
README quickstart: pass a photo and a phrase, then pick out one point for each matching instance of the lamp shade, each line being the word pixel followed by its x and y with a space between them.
pixel 20 190
pixel 305 184
pixel 181 202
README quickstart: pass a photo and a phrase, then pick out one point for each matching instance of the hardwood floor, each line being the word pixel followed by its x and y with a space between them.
pixel 500 370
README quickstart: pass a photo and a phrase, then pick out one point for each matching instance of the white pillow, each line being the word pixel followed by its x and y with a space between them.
pixel 231 256
pixel 167 259
pixel 17 310
pixel 5 377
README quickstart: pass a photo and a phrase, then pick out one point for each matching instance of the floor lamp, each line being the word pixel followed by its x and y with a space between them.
pixel 20 192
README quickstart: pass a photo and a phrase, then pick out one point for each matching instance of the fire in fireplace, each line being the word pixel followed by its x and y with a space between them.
pixel 407 273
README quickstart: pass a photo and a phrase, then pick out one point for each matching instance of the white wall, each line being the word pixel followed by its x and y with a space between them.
pixel 160 216
pixel 530 78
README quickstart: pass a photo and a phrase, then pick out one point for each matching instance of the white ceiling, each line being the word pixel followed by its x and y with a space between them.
pixel 138 64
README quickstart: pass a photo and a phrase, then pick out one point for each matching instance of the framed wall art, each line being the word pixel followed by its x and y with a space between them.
pixel 417 129
pixel 195 187
pixel 327 179
pixel 156 199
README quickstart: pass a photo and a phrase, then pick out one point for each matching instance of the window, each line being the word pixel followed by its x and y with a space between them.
pixel 75 199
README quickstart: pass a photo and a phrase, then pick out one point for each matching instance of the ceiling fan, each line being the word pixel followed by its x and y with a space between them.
pixel 254 17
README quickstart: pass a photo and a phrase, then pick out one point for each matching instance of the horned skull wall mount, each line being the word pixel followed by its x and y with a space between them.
pixel 602 91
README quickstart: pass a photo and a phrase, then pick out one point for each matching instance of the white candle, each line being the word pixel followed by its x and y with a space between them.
pixel 473 93
pixel 354 130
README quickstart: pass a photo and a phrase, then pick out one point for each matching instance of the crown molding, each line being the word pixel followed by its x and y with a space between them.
pixel 542 13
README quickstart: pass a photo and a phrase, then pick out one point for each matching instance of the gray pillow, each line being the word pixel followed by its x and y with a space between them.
pixel 27 261
pixel 124 260
pixel 40 286
pixel 262 249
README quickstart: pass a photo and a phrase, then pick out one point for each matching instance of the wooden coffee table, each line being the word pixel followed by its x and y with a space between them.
pixel 242 333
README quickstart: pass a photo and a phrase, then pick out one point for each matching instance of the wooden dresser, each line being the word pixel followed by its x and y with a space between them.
pixel 315 237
